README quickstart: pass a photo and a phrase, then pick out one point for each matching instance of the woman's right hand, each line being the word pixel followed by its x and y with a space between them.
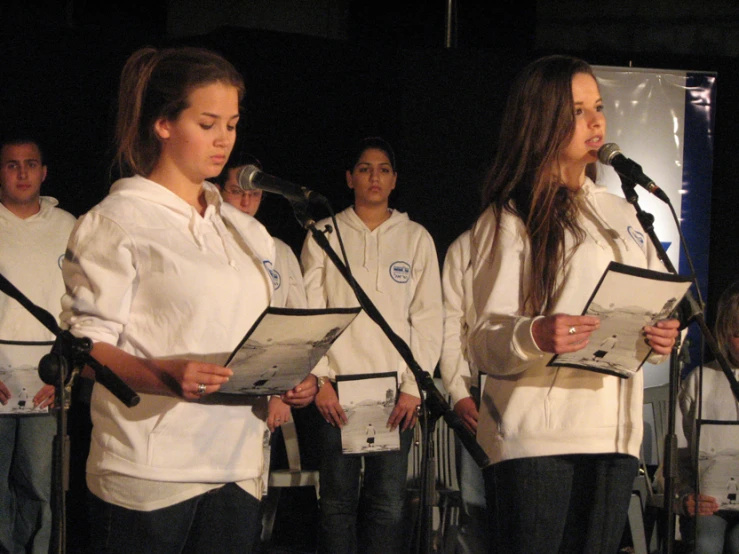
pixel 192 380
pixel 707 505
pixel 562 333
pixel 328 404
pixel 179 378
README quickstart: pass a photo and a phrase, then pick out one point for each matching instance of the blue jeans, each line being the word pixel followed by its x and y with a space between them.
pixel 26 454
pixel 473 533
pixel 560 504
pixel 366 521
pixel 716 534
pixel 222 521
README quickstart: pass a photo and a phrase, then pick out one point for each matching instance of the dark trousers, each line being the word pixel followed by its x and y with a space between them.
pixel 560 504
pixel 221 521
pixel 369 521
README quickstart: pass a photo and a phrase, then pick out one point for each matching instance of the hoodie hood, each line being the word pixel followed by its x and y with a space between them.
pixel 145 189
pixel 372 240
pixel 591 196
pixel 44 213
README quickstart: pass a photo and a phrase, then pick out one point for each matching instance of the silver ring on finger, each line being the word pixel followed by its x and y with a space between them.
pixel 201 389
pixel 572 331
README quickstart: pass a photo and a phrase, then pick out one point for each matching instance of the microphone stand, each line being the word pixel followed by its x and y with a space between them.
pixel 435 405
pixel 67 352
pixel 691 311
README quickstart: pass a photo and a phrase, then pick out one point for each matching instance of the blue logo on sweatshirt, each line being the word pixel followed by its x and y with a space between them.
pixel 273 274
pixel 637 236
pixel 400 272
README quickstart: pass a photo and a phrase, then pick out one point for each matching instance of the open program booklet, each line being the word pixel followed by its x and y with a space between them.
pixel 718 472
pixel 626 299
pixel 282 348
pixel 367 401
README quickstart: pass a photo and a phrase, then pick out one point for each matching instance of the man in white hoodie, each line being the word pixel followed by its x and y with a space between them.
pixel 33 238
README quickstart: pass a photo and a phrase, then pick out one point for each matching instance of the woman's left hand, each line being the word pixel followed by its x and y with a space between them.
pixel 404 413
pixel 45 397
pixel 277 413
pixel 661 337
pixel 303 393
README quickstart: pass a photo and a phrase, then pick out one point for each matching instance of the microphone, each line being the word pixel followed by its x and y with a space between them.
pixel 610 154
pixel 252 178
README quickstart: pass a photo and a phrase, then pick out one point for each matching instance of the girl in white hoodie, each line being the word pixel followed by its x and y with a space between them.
pixel 394 261
pixel 165 281
pixel 563 441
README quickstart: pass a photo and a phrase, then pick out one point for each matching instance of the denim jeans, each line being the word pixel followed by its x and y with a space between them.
pixel 26 455
pixel 222 521
pixel 716 534
pixel 369 521
pixel 560 504
pixel 473 537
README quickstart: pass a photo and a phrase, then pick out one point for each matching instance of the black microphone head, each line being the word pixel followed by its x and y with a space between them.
pixel 246 175
pixel 607 152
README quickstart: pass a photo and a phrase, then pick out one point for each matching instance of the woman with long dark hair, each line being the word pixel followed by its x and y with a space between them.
pixel 394 261
pixel 563 441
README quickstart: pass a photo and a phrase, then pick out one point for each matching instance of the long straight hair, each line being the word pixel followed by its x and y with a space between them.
pixel 157 84
pixel 537 125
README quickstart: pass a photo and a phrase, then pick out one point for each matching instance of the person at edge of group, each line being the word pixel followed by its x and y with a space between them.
pixel 165 278
pixel 461 381
pixel 394 261
pixel 564 442
pixel 288 293
pixel 716 531
pixel 33 233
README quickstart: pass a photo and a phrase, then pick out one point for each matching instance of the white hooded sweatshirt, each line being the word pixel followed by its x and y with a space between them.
pixel 397 267
pixel 146 273
pixel 31 254
pixel 529 409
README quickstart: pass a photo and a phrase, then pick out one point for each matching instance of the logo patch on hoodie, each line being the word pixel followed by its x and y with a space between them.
pixel 273 274
pixel 400 272
pixel 637 236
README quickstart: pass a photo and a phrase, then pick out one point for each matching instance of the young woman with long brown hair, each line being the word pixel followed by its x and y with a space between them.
pixel 166 279
pixel 563 441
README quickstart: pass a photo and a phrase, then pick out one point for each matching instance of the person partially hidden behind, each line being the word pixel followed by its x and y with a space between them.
pixel 286 274
pixel 394 261
pixel 717 530
pixel 33 237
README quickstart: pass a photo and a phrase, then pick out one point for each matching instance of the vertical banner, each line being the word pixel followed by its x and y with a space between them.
pixel 664 121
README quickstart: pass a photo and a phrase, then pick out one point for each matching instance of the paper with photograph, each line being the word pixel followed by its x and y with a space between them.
pixel 626 299
pixel 21 377
pixel 368 400
pixel 282 348
pixel 718 473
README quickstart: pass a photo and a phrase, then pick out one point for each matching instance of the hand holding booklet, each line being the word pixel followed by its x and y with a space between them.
pixel 282 348
pixel 625 300
pixel 368 400
pixel 19 373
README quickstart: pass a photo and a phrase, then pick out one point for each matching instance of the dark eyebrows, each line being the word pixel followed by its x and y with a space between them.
pixel 367 163
pixel 599 100
pixel 216 116
pixel 26 160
